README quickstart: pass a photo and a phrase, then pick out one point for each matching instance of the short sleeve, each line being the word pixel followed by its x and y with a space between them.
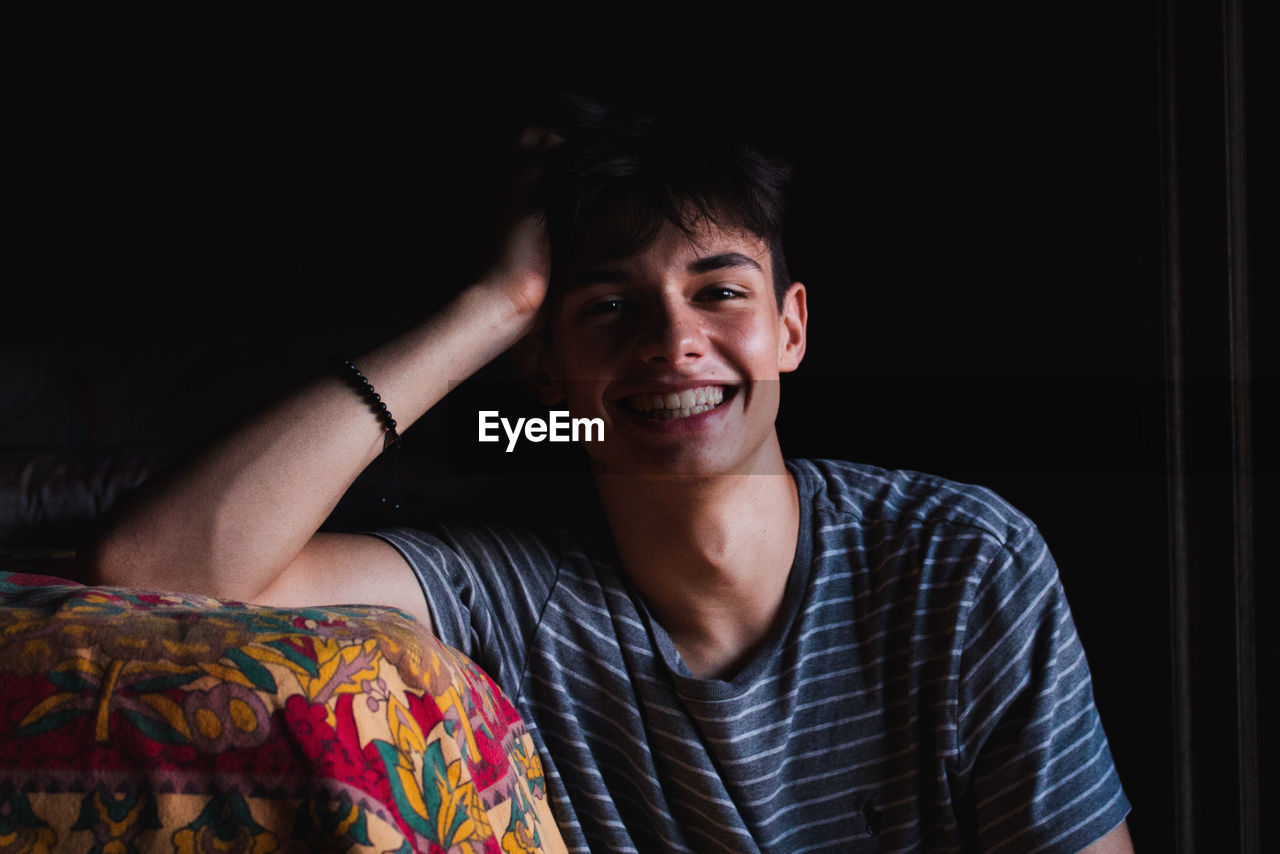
pixel 1032 750
pixel 486 587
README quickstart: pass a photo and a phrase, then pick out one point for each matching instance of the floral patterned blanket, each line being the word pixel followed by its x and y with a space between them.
pixel 139 721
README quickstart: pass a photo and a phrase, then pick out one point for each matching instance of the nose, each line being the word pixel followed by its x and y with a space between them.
pixel 672 334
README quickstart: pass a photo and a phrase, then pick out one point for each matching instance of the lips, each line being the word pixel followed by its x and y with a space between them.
pixel 665 406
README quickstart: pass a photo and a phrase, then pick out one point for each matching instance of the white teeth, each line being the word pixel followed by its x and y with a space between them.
pixel 693 401
pixel 668 414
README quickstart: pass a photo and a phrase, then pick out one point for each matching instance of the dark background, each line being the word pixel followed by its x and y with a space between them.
pixel 206 217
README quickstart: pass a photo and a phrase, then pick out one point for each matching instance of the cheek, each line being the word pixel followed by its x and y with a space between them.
pixel 580 378
pixel 582 399
pixel 580 360
pixel 572 341
pixel 756 343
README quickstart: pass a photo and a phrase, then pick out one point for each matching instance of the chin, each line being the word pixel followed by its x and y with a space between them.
pixel 676 462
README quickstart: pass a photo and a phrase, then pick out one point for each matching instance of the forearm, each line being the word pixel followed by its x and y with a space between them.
pixel 232 519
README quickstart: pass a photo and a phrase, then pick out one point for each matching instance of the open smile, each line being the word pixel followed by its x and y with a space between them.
pixel 666 406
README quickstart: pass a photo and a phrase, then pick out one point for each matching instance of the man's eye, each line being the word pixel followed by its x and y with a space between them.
pixel 719 293
pixel 604 306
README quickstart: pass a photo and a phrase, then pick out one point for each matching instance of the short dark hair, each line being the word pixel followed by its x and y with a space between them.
pixel 621 172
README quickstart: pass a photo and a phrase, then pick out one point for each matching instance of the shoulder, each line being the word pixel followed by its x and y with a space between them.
pixel 906 543
pixel 894 499
pixel 505 559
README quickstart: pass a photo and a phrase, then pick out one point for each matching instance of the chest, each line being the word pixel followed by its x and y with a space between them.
pixel 848 727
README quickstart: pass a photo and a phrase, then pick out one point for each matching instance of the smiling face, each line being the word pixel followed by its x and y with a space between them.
pixel 678 348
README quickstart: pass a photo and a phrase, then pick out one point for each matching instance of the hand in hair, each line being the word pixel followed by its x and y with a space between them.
pixel 522 268
pixel 522 263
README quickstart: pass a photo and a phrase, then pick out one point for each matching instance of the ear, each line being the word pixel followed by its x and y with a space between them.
pixel 792 322
pixel 533 357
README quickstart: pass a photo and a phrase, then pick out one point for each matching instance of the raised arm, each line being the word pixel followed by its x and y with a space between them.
pixel 240 520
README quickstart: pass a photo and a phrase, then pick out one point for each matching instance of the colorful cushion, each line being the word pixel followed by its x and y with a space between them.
pixel 132 720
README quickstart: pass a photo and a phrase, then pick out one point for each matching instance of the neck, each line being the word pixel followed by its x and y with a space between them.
pixel 710 555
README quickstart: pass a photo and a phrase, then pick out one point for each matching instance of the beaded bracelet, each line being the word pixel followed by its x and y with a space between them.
pixel 362 386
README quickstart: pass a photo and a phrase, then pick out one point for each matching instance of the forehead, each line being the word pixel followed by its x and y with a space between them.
pixel 703 248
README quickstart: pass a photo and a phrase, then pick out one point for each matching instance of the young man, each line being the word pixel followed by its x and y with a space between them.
pixel 758 654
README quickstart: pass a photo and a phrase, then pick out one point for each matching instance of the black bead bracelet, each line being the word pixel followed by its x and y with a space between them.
pixel 365 389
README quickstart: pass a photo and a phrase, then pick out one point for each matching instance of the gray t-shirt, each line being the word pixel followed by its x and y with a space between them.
pixel 926 689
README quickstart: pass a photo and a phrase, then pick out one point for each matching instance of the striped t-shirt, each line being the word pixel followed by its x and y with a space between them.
pixel 926 689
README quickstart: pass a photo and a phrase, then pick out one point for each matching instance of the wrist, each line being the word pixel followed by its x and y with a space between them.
pixel 506 302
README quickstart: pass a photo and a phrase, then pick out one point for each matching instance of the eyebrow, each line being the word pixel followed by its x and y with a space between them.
pixel 600 276
pixel 698 266
pixel 723 261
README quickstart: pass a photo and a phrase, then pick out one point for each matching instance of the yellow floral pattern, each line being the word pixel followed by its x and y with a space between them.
pixel 132 720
